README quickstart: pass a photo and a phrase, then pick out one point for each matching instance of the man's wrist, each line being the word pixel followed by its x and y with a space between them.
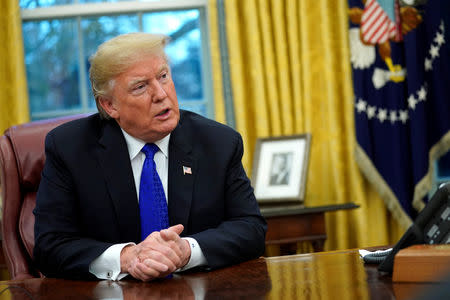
pixel 107 265
pixel 126 256
pixel 188 255
pixel 196 257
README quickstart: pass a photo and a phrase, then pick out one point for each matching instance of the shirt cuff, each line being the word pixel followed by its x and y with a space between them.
pixel 197 258
pixel 107 265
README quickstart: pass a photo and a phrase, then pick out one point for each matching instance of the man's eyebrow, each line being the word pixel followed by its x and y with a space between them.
pixel 135 81
pixel 143 79
pixel 163 68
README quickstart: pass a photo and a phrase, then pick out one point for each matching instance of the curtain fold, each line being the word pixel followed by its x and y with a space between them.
pixel 290 73
pixel 14 97
pixel 217 79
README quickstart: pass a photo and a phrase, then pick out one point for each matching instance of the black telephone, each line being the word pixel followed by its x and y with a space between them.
pixel 432 226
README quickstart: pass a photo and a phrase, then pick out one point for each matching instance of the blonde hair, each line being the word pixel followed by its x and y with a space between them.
pixel 116 55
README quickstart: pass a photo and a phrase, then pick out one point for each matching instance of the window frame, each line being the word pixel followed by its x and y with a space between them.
pixel 79 10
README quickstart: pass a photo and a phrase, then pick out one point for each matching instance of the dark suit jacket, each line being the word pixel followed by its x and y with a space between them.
pixel 87 199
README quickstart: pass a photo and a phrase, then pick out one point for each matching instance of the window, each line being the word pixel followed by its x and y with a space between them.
pixel 442 171
pixel 61 35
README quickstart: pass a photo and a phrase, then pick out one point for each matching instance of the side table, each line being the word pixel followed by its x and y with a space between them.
pixel 289 224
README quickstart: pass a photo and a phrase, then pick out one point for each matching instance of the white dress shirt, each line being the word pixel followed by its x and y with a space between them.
pixel 107 265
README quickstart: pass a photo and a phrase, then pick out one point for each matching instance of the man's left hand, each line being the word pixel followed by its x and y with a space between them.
pixel 164 248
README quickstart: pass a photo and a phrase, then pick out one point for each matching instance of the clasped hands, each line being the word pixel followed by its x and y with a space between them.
pixel 159 255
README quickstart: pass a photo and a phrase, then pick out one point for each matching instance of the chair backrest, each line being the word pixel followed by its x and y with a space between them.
pixel 21 162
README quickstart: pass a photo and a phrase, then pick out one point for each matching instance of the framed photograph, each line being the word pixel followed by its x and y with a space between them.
pixel 280 168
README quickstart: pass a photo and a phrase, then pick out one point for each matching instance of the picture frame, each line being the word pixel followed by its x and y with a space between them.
pixel 280 167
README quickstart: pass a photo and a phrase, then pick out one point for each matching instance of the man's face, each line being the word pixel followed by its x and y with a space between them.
pixel 279 163
pixel 143 100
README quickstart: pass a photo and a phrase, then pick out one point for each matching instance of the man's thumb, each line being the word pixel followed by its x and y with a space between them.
pixel 178 229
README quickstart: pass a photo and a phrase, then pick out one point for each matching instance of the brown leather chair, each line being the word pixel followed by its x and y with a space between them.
pixel 21 161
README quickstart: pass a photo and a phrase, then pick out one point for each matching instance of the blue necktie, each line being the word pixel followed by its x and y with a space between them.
pixel 152 201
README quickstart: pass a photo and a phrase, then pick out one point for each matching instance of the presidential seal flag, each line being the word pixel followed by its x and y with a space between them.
pixel 400 57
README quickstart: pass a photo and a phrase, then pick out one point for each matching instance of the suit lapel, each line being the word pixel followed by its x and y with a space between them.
pixel 180 182
pixel 116 167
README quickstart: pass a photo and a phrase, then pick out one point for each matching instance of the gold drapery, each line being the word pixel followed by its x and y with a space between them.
pixel 219 103
pixel 14 97
pixel 290 73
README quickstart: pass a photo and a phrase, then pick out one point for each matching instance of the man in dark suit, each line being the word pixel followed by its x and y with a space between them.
pixel 88 218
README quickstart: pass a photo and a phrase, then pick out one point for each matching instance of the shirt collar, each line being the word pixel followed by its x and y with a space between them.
pixel 135 145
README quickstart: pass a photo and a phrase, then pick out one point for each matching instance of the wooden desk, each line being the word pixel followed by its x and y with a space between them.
pixel 289 224
pixel 325 275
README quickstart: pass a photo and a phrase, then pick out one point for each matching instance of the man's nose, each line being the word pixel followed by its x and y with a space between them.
pixel 159 93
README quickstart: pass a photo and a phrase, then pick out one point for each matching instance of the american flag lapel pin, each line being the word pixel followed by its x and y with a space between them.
pixel 187 170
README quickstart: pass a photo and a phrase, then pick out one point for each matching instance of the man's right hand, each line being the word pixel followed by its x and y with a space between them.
pixel 160 254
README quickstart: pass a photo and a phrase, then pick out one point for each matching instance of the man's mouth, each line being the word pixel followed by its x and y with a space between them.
pixel 163 112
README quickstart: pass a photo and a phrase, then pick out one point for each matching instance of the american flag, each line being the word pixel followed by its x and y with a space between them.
pixel 380 21
pixel 403 126
pixel 187 170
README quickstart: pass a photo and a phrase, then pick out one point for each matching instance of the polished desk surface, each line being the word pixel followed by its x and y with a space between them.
pixel 326 275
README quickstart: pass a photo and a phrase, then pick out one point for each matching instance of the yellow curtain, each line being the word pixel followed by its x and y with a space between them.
pixel 290 74
pixel 219 103
pixel 14 97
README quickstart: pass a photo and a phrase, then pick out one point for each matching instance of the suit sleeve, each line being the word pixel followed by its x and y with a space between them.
pixel 241 236
pixel 61 250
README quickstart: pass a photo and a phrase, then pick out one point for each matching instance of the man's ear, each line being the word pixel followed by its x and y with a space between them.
pixel 109 107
